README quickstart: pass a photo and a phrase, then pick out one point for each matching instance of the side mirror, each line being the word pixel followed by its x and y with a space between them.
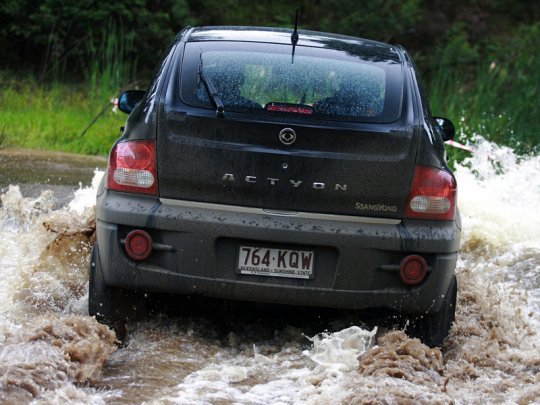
pixel 128 100
pixel 445 128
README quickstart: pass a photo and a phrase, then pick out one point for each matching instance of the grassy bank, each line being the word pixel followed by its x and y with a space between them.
pixel 53 116
pixel 59 114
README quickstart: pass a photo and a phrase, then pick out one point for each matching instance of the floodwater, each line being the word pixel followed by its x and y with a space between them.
pixel 34 171
pixel 52 352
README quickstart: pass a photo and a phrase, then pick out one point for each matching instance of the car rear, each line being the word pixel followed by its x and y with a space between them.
pixel 300 177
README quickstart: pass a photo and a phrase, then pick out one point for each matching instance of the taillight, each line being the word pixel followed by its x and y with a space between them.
pixel 433 194
pixel 132 167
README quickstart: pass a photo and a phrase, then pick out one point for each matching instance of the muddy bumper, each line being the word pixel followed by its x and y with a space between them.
pixel 197 250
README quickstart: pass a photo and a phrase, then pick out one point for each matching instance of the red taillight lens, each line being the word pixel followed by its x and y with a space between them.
pixel 132 167
pixel 433 194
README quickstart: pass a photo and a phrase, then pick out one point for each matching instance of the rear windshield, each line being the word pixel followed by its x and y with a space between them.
pixel 266 79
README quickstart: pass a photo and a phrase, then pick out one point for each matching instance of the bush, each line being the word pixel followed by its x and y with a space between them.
pixel 493 95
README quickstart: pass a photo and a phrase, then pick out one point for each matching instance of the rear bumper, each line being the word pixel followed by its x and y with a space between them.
pixel 196 253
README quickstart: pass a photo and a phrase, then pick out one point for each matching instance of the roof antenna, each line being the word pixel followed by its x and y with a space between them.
pixel 294 36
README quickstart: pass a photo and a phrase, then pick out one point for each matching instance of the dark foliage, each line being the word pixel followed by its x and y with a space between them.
pixel 54 38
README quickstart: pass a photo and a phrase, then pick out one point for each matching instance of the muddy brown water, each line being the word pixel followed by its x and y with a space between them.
pixel 35 171
pixel 52 352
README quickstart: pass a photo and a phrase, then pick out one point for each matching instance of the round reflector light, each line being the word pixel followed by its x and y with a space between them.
pixel 413 269
pixel 138 245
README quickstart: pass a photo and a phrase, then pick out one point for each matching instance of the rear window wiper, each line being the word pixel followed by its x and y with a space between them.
pixel 211 89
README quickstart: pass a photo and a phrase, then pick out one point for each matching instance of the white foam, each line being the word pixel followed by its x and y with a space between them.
pixel 279 379
pixel 499 196
pixel 85 197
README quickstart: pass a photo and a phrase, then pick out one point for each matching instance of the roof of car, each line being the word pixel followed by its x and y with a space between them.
pixel 283 36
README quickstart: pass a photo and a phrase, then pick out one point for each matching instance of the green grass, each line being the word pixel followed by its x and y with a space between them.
pixel 54 116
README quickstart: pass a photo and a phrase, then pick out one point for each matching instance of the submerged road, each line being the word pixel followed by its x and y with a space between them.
pixel 35 170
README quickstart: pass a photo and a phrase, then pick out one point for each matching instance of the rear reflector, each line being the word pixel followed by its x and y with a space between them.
pixel 433 194
pixel 413 270
pixel 132 167
pixel 138 245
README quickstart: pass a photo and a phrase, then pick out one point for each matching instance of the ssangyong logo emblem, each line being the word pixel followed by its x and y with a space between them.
pixel 287 136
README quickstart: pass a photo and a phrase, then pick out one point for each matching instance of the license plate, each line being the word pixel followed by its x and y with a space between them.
pixel 276 262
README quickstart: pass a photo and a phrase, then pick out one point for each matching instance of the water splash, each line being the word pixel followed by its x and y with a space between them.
pixel 49 346
pixel 45 348
pixel 85 197
pixel 499 196
pixel 493 349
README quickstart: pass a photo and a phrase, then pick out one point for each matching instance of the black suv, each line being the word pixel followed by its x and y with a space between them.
pixel 274 166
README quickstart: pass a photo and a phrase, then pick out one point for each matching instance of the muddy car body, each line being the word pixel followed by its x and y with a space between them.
pixel 254 169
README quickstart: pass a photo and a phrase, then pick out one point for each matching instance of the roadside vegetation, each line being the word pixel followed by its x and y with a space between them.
pixel 493 94
pixel 58 72
pixel 53 116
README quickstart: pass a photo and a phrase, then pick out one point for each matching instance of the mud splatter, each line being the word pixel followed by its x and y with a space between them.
pixel 47 346
pixel 51 352
pixel 399 356
pixel 60 274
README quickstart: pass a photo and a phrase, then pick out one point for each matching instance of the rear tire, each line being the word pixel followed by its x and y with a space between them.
pixel 111 306
pixel 433 329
